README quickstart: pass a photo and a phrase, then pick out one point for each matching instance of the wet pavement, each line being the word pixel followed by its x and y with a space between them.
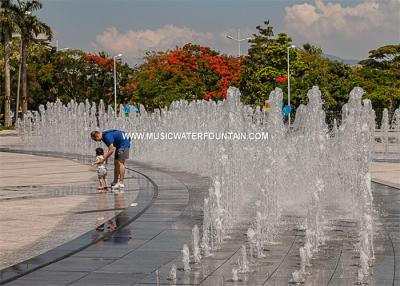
pixel 46 202
pixel 157 228
pixel 149 239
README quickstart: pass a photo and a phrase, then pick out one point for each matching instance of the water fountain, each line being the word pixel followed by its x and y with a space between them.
pixel 243 262
pixel 385 130
pixel 304 169
pixel 172 275
pixel 235 275
pixel 196 246
pixel 186 258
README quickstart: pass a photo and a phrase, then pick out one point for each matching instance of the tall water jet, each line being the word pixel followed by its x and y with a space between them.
pixel 244 262
pixel 186 258
pixel 251 235
pixel 396 120
pixel 385 130
pixel 205 240
pixel 235 275
pixel 157 277
pixel 172 275
pixel 196 248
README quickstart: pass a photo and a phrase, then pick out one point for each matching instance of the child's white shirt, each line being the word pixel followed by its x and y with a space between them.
pixel 100 165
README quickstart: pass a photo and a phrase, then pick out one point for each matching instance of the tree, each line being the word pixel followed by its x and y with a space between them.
pixel 191 72
pixel 7 22
pixel 265 67
pixel 379 76
pixel 30 28
pixel 386 57
pixel 74 75
pixel 333 79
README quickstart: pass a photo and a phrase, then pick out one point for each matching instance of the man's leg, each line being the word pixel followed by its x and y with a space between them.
pixel 116 171
pixel 121 171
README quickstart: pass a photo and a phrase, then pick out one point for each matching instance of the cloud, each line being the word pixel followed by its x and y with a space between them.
pixel 134 43
pixel 370 23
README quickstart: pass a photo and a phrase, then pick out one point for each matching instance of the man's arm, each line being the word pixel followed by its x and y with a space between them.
pixel 110 151
pixel 98 161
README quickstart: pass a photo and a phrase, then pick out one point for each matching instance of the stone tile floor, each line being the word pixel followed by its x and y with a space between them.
pixel 153 242
pixel 46 202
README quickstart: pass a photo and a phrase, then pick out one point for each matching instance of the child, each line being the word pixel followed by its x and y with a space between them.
pixel 101 170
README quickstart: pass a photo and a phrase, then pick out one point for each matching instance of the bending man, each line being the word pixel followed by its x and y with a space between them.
pixel 116 142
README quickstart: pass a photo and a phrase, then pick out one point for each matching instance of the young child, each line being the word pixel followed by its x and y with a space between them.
pixel 101 170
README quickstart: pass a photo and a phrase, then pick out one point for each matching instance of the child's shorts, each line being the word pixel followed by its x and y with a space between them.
pixel 102 173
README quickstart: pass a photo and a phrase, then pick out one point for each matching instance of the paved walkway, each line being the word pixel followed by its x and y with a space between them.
pixel 23 171
pixel 27 208
pixel 134 252
pixel 46 202
pixel 9 138
pixel 386 173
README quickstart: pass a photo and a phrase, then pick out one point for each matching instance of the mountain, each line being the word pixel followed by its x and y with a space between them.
pixel 338 59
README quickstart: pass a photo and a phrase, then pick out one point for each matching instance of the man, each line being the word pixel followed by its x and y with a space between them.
pixel 116 142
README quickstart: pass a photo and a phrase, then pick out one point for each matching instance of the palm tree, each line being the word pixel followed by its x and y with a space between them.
pixel 7 22
pixel 30 28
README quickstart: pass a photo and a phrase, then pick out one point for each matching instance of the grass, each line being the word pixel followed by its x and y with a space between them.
pixel 2 128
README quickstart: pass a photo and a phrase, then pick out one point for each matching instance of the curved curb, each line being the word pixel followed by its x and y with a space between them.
pixel 386 183
pixel 15 269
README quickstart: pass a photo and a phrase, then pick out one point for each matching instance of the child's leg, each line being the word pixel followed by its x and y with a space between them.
pixel 105 182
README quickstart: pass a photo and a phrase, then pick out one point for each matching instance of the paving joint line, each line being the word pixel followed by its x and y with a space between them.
pixel 281 262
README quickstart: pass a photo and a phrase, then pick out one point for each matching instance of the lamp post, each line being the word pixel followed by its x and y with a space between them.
pixel 16 35
pixel 115 82
pixel 238 40
pixel 57 48
pixel 288 76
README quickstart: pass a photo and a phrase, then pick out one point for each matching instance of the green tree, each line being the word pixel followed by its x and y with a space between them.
pixel 30 28
pixel 379 76
pixel 386 57
pixel 74 75
pixel 267 61
pixel 331 77
pixel 7 22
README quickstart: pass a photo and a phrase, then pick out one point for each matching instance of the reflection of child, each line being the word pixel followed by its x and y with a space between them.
pixel 101 170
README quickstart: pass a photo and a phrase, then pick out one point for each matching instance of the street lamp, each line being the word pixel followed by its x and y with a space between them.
pixel 62 49
pixel 57 49
pixel 238 40
pixel 288 76
pixel 16 35
pixel 115 82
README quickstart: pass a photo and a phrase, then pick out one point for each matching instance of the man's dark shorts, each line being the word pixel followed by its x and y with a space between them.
pixel 122 154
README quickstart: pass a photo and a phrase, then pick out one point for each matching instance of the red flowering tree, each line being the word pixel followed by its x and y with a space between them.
pixel 190 72
pixel 101 60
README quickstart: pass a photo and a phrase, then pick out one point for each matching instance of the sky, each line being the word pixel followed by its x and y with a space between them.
pixel 344 28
